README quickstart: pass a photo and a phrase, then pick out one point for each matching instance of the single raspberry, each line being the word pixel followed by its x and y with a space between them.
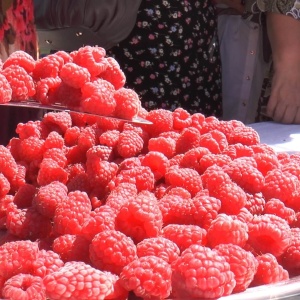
pixel 129 144
pixel 266 162
pixel 56 154
pixel 255 203
pixel 24 286
pixel 5 204
pixel 6 90
pixel 192 157
pixel 24 196
pixel 4 185
pixel 71 247
pixel 106 123
pixel 119 292
pixel 47 66
pixel 197 120
pixel 276 207
pixel 46 263
pixel 184 177
pixel 101 219
pixel 226 230
pixel 215 141
pixel 245 135
pixel 30 129
pixel 140 218
pixel 77 280
pixel 58 121
pixel 46 89
pixel 88 137
pixel 109 138
pixel 21 83
pixel 129 163
pixel 113 73
pixel 188 139
pixel 92 58
pixel 213 177
pixel 181 119
pixel 269 234
pixel 71 136
pixel 98 98
pixel 165 145
pixel 74 75
pixel 22 59
pixel 54 140
pixel 112 250
pixel 79 182
pixel 242 263
pixel 31 148
pixel 184 235
pixel 127 103
pixel 238 150
pixel 269 270
pixel 162 121
pixel 211 159
pixel 64 55
pixel 17 257
pixel 67 96
pixel 196 262
pixel 209 124
pixel 292 168
pixel 71 213
pixel 148 277
pixel 178 191
pixel 160 247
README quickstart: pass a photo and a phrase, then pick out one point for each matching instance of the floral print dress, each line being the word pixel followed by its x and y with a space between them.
pixel 171 58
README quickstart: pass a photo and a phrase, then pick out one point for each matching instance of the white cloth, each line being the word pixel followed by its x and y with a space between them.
pixel 243 67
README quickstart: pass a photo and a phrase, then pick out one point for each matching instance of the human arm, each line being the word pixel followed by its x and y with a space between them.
pixel 284 35
pixel 235 4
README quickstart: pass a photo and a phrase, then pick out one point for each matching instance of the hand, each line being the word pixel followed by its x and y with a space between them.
pixel 236 4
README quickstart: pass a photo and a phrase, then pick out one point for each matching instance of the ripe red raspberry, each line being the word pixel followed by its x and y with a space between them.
pixel 46 90
pixel 226 230
pixel 192 157
pixel 112 250
pixel 46 262
pixel 71 213
pixel 71 136
pixel 149 277
pixel 54 140
pixel 197 120
pixel 140 218
pixel 242 263
pixel 184 235
pixel 196 262
pixel 21 83
pixel 213 177
pixel 269 270
pixel 71 247
pixel 56 154
pixel 24 286
pixel 31 148
pixel 109 138
pixel 159 247
pixel 24 196
pixel 255 203
pixel 17 257
pixel 47 66
pixel 98 98
pixel 189 138
pixel 211 159
pixel 129 144
pixel 238 150
pixel 88 137
pixel 77 280
pixel 113 73
pixel 102 218
pixel 162 121
pixel 64 55
pixel 209 124
pixel 215 141
pixel 291 167
pixel 92 58
pixel 31 128
pixel 67 96
pixel 266 162
pixel 5 90
pixel 22 59
pixel 269 234
pixel 244 135
pixel 4 186
pixel 58 121
pixel 74 75
pixel 127 103
pixel 165 145
pixel 181 119
pixel 184 177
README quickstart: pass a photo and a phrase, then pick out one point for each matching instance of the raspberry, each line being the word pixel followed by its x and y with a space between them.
pixel 184 235
pixel 72 248
pixel 159 247
pixel 22 59
pixel 238 150
pixel 127 103
pixel 113 73
pixel 8 165
pixel 30 129
pixel 24 286
pixel 242 263
pixel 98 98
pixel 71 213
pixel 269 270
pixel 54 140
pixel 21 83
pixel 192 157
pixel 188 139
pixel 31 148
pixel 162 121
pixel 20 178
pixel 255 203
pixel 46 89
pixel 64 55
pixel 58 121
pixel 68 96
pixel 6 90
pixel 225 230
pixel 109 138
pixel 88 137
pixel 165 145
pixel 77 280
pixel 56 154
pixel 245 175
pixel 129 144
pixel 181 119
pixel 17 257
pixel 276 207
pixel 24 196
pixel 4 185
pixel 112 250
pixel 292 168
pixel 92 58
pixel 209 124
pixel 210 159
pixel 148 277
pixel 74 75
pixel 109 123
pixel 48 66
pixel 269 234
pixel 244 135
pixel 47 262
pixel 140 218
pixel 102 218
pixel 199 262
pixel 215 141
pixel 184 177
pixel 266 162
pixel 71 136
pixel 197 120
pixel 213 177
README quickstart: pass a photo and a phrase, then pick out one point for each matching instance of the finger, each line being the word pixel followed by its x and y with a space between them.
pixel 271 107
pixel 279 112
pixel 289 115
pixel 297 116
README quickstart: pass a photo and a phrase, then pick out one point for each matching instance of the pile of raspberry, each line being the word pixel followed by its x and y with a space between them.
pixel 187 207
pixel 84 80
